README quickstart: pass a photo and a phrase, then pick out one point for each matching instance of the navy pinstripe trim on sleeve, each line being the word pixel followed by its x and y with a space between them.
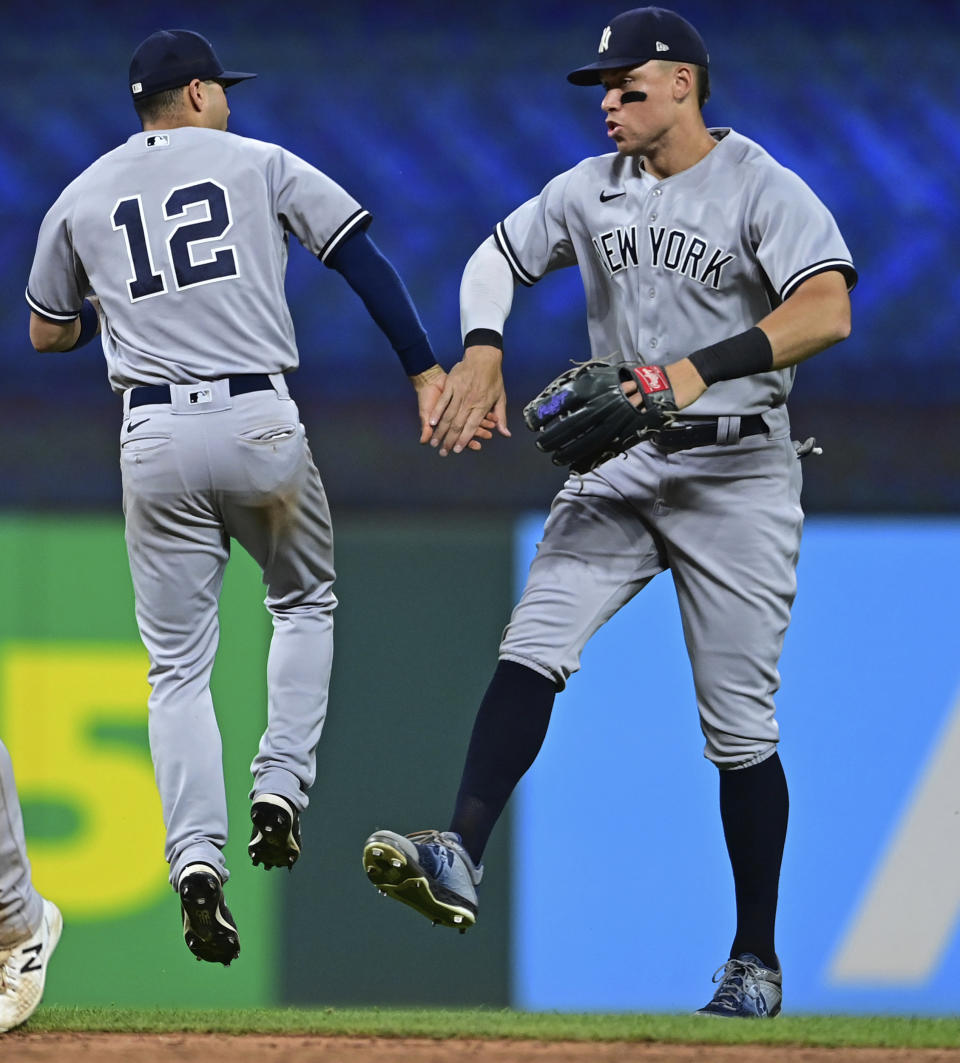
pixel 58 317
pixel 359 220
pixel 840 264
pixel 522 275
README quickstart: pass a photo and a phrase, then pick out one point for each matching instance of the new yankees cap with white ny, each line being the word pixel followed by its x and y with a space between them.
pixel 168 59
pixel 635 37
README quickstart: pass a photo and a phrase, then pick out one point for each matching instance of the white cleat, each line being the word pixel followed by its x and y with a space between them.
pixel 23 970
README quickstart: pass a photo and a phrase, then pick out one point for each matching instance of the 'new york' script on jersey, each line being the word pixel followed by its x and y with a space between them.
pixel 676 250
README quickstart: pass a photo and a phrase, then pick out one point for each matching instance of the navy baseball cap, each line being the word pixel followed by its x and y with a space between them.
pixel 168 59
pixel 635 37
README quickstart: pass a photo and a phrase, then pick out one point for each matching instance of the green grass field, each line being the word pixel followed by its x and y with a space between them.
pixel 829 1030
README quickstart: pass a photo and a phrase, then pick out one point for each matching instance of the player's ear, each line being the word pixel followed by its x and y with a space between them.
pixel 195 94
pixel 684 81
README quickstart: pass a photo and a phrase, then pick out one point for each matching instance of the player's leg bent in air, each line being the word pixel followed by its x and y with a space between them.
pixel 566 599
pixel 288 533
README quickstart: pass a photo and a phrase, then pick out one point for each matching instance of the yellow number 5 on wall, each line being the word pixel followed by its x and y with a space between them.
pixel 74 718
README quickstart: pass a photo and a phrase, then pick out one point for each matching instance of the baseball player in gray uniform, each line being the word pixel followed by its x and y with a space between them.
pixel 706 261
pixel 182 233
pixel 30 925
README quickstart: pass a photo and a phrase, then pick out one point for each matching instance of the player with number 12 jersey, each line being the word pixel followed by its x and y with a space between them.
pixel 169 211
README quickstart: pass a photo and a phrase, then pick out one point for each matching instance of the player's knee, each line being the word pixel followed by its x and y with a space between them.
pixel 559 675
pixel 730 754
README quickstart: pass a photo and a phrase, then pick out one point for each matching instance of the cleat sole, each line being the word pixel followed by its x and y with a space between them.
pixel 274 842
pixel 388 869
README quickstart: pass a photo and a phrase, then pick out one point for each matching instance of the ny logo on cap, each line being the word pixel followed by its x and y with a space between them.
pixel 604 41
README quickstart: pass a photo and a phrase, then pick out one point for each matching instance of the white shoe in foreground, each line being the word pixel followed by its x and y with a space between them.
pixel 23 970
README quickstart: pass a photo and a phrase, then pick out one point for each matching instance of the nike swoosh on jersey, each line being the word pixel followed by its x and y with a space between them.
pixel 604 198
pixel 136 424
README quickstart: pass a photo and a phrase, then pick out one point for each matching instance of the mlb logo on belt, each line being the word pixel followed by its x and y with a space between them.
pixel 651 378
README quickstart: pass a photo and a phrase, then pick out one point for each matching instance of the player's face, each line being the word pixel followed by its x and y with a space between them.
pixel 636 127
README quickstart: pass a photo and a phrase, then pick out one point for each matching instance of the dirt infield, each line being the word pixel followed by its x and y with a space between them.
pixel 218 1048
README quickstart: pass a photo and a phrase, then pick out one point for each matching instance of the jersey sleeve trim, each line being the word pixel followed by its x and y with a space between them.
pixel 58 317
pixel 360 219
pixel 840 264
pixel 522 275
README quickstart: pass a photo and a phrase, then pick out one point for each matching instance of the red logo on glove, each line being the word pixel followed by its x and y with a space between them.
pixel 651 378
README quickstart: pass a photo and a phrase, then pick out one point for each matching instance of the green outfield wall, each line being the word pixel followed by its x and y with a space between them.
pixel 422 605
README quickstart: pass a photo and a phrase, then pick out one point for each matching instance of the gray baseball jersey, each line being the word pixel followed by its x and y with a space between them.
pixel 182 234
pixel 671 266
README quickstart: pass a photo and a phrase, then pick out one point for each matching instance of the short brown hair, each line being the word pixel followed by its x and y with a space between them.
pixel 159 105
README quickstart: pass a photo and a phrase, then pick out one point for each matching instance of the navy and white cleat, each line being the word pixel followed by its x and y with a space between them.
pixel 747 990
pixel 429 870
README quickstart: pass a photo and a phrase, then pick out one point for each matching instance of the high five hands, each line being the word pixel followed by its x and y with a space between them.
pixel 461 409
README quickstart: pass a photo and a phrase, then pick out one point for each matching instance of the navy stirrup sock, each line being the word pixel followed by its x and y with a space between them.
pixel 509 730
pixel 753 806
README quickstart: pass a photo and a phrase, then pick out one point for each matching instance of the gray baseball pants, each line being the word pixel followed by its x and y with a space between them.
pixel 726 521
pixel 21 907
pixel 195 476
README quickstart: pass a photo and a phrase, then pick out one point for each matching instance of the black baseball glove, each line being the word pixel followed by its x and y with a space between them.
pixel 583 417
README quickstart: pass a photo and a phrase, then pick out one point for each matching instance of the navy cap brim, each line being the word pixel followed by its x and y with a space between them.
pixel 231 77
pixel 590 74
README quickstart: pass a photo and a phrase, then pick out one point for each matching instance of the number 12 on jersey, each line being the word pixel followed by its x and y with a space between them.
pixel 190 265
